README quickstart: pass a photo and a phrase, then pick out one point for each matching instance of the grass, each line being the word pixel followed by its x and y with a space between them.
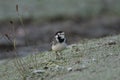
pixel 96 59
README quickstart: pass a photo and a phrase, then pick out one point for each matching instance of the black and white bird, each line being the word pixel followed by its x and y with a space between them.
pixel 59 42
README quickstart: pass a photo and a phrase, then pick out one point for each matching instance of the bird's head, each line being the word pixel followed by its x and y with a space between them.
pixel 60 36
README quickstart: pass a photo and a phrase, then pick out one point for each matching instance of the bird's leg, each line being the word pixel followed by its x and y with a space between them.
pixel 58 55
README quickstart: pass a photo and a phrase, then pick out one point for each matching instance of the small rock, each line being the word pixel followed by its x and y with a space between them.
pixel 38 71
pixel 111 42
pixel 93 59
pixel 69 68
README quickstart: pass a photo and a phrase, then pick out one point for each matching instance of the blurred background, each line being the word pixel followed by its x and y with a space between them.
pixel 33 25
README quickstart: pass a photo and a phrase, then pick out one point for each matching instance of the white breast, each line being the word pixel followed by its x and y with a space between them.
pixel 59 46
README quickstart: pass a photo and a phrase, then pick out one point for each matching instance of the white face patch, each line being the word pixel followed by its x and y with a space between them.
pixel 56 37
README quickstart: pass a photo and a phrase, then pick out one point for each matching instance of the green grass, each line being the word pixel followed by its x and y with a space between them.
pixel 96 59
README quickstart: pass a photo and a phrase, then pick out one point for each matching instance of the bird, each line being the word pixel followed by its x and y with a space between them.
pixel 59 41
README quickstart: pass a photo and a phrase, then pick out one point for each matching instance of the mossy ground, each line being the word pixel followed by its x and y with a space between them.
pixel 97 59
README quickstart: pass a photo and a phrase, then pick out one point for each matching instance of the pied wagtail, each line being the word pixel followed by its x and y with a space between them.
pixel 59 42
